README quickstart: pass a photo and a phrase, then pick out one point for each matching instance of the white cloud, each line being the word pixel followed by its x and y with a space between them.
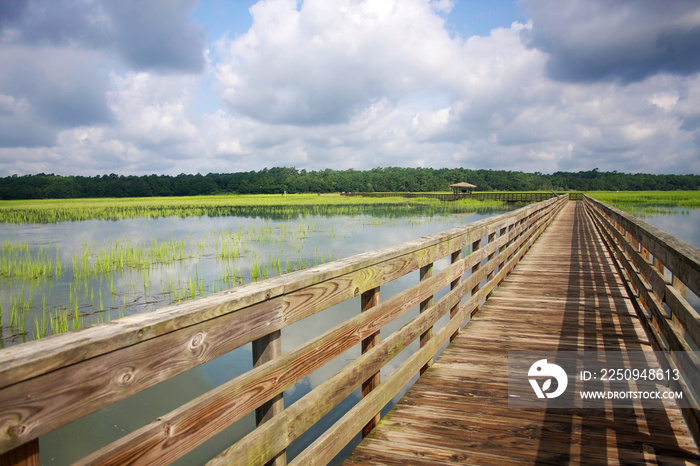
pixel 151 108
pixel 328 60
pixel 343 84
pixel 663 100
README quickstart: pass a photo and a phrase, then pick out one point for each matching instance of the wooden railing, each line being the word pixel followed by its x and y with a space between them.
pixel 658 270
pixel 48 383
pixel 440 196
pixel 507 197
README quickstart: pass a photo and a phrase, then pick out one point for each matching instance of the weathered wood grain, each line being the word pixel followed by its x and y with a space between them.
pixel 24 455
pixel 93 382
pixel 670 333
pixel 653 276
pixel 99 366
pixel 266 349
pixel 266 441
pixel 331 442
pixel 667 334
pixel 230 402
pixel 682 259
pixel 564 295
pixel 148 444
pixel 369 300
pixel 35 358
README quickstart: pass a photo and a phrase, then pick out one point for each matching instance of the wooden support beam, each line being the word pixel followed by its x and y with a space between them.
pixel 368 300
pixel 454 257
pixel 476 245
pixel 425 273
pixel 24 455
pixel 265 349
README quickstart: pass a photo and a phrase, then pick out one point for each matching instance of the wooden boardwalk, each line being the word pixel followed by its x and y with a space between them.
pixel 564 295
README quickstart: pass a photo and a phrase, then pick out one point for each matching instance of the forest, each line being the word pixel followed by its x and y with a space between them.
pixel 291 180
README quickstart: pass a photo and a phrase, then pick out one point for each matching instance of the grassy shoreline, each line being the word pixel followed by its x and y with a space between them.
pixel 56 210
pixel 686 199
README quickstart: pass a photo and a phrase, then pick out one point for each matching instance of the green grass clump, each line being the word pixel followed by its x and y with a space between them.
pixel 18 261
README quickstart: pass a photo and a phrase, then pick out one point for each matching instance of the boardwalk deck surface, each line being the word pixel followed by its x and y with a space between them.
pixel 564 295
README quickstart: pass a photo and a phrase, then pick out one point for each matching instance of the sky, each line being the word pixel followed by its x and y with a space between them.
pixel 131 87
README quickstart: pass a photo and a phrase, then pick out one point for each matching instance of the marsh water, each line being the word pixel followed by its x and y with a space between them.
pixel 112 268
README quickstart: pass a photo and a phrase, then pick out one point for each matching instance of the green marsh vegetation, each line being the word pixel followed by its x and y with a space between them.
pixel 645 203
pixel 278 206
pixel 69 264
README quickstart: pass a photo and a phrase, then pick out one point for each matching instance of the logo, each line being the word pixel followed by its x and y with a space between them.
pixel 543 369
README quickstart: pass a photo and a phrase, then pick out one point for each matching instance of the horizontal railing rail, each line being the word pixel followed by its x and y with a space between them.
pixel 505 196
pixel 48 383
pixel 658 270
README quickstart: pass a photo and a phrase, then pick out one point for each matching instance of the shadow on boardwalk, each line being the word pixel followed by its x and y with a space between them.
pixel 598 316
pixel 565 295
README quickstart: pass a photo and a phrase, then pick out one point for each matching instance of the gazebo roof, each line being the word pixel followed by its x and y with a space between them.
pixel 462 185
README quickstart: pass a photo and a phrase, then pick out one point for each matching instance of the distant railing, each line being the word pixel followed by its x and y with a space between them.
pixel 658 269
pixel 507 197
pixel 48 383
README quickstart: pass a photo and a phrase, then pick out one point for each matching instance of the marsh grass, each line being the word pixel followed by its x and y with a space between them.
pixel 272 206
pixel 689 199
pixel 649 203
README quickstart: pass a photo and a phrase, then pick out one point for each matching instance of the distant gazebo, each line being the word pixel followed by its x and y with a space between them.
pixel 459 188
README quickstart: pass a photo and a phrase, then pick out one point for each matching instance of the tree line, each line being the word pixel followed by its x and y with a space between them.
pixel 280 179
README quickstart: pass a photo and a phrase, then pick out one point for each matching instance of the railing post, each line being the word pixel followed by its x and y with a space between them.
pixel 265 349
pixel 26 454
pixel 679 285
pixel 425 273
pixel 475 247
pixel 368 300
pixel 489 277
pixel 454 284
pixel 501 233
pixel 510 256
pixel 659 266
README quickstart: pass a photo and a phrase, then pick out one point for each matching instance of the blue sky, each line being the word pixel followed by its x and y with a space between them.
pixel 466 18
pixel 129 87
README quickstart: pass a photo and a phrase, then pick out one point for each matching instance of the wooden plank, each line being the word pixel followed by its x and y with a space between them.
pixel 425 273
pixel 94 382
pixel 120 358
pixel 24 455
pixel 456 411
pixel 332 441
pixel 682 259
pixel 675 339
pixel 148 443
pixel 689 321
pixel 259 446
pixel 22 362
pixel 455 283
pixel 228 403
pixel 369 300
pixel 266 349
pixel 266 441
